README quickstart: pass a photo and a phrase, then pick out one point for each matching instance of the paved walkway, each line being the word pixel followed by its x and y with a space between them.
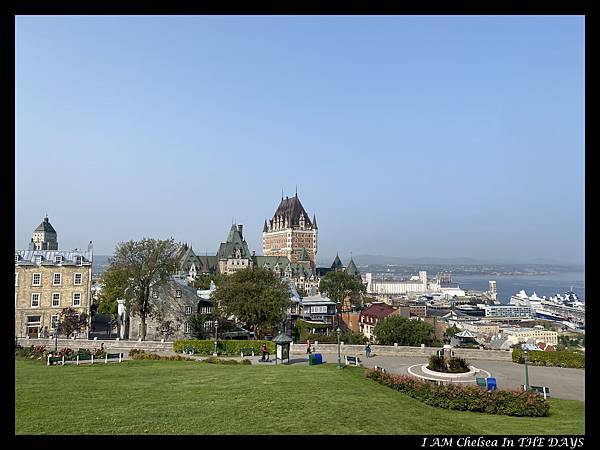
pixel 563 383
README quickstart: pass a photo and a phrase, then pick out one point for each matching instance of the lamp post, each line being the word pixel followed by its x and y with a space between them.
pixel 339 331
pixel 216 336
pixel 526 369
pixel 55 338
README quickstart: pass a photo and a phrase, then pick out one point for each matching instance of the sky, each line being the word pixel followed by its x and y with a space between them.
pixel 411 136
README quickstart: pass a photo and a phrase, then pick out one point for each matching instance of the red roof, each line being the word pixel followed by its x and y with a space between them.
pixel 378 310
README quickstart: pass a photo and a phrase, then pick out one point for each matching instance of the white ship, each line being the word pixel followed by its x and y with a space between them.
pixel 566 307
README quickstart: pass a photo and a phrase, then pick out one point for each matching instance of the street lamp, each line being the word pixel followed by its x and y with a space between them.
pixel 216 336
pixel 526 369
pixel 338 331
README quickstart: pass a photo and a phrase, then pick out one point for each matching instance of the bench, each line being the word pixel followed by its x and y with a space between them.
pixel 352 361
pixel 544 390
pixel 247 351
pixel 108 356
pixel 56 360
pixel 379 369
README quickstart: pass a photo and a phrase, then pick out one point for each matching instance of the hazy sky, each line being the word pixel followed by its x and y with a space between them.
pixel 409 136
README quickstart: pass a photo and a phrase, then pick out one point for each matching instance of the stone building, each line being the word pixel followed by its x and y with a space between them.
pixel 44 237
pixel 289 231
pixel 233 254
pixel 174 302
pixel 46 282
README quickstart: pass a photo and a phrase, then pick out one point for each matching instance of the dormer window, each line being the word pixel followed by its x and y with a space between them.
pixel 177 293
pixel 78 260
pixel 58 259
pixel 38 259
pixel 17 258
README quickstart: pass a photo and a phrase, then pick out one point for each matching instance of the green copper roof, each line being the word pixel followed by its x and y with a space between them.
pixel 304 255
pixel 352 269
pixel 337 263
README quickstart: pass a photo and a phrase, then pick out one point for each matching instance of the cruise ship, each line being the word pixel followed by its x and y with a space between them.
pixel 566 307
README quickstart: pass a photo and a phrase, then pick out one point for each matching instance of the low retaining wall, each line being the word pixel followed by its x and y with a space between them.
pixel 390 350
pixel 295 349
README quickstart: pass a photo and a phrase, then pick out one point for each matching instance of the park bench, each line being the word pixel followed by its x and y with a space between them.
pixel 540 390
pixel 247 351
pixel 83 358
pixel 56 360
pixel 352 361
pixel 114 356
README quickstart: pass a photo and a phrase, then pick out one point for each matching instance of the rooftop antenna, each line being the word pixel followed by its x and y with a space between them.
pixel 296 190
pixel 281 193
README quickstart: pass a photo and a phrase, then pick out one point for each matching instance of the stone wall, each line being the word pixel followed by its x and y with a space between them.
pixel 295 349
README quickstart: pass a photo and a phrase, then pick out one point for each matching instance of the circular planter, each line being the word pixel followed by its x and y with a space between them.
pixel 472 371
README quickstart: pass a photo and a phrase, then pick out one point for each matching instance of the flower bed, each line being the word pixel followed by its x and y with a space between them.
pixel 465 398
pixel 444 365
pixel 141 354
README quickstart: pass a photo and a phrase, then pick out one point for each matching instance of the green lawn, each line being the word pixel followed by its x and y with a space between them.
pixel 171 397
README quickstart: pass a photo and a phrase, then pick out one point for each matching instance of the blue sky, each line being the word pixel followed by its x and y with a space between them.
pixel 409 136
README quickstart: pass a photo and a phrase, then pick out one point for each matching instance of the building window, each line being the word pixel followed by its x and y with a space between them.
pixel 77 279
pixel 58 259
pixel 35 300
pixel 54 322
pixel 76 299
pixel 154 294
pixel 178 293
pixel 78 260
pixel 17 258
pixel 57 279
pixel 37 279
pixel 55 300
pixel 187 328
pixel 188 310
pixel 38 259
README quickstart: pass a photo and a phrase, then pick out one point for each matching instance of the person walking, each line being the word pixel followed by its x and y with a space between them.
pixel 368 350
pixel 308 346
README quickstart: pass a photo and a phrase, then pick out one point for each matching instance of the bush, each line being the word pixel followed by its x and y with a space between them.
pixel 457 365
pixel 84 352
pixel 225 347
pixel 559 358
pixel 141 354
pixel 437 363
pixel 215 360
pixel 465 398
pixel 451 365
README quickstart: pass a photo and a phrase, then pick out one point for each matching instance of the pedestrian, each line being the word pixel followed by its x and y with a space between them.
pixel 368 350
pixel 265 353
pixel 308 346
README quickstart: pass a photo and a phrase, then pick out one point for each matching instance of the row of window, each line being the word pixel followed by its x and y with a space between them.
pixel 177 294
pixel 36 296
pixel 36 279
pixel 57 259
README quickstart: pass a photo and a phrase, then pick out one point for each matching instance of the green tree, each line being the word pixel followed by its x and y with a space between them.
pixel 453 330
pixel 256 296
pixel 146 265
pixel 113 282
pixel 202 280
pixel 196 322
pixel 339 285
pixel 71 321
pixel 396 329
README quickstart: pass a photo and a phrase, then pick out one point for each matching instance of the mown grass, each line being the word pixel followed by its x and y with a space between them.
pixel 173 397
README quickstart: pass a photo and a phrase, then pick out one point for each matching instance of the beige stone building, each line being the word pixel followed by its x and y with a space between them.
pixel 46 282
pixel 290 232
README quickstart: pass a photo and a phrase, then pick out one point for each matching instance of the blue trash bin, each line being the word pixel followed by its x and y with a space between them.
pixel 318 358
pixel 491 384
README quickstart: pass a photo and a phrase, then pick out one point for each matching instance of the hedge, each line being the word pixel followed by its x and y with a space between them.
pixel 465 398
pixel 559 358
pixel 141 354
pixel 225 347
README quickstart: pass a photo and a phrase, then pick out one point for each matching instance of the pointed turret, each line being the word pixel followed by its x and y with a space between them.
pixel 352 269
pixel 337 263
pixel 265 228
pixel 314 222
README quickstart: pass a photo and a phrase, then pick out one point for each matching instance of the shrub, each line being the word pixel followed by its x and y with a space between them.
pixel 465 398
pixel 451 365
pixel 215 360
pixel 225 347
pixel 437 363
pixel 98 353
pixel 559 358
pixel 84 352
pixel 457 365
pixel 141 354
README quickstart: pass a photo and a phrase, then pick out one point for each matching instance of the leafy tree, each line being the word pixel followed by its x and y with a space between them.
pixel 196 322
pixel 71 321
pixel 146 265
pixel 202 280
pixel 255 296
pixel 396 329
pixel 352 337
pixel 453 330
pixel 339 285
pixel 114 282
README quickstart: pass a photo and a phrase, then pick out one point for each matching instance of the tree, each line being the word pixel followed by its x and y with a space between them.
pixel 71 321
pixel 197 328
pixel 256 296
pixel 146 265
pixel 114 282
pixel 339 285
pixel 397 329
pixel 451 331
pixel 202 280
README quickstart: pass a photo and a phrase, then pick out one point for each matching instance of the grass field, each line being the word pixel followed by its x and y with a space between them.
pixel 170 397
